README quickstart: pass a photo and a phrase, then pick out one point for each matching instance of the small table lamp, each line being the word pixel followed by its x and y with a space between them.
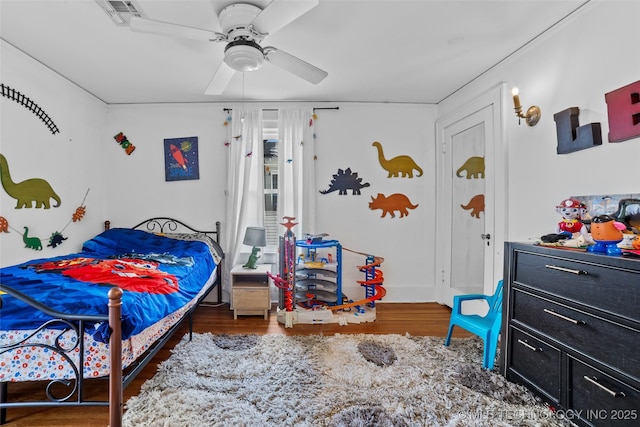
pixel 256 237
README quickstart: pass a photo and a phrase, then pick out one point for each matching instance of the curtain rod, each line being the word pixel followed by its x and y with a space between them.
pixel 226 109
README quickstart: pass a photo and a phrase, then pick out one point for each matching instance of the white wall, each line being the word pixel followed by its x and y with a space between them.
pixel 137 188
pixel 592 53
pixel 344 139
pixel 574 65
pixel 71 161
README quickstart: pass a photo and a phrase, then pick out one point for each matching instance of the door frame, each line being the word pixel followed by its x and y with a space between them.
pixel 496 99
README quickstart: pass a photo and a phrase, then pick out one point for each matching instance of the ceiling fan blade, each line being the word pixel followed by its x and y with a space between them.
pixel 144 25
pixel 294 65
pixel 220 80
pixel 279 13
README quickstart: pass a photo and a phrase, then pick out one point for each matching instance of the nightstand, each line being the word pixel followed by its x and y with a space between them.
pixel 250 291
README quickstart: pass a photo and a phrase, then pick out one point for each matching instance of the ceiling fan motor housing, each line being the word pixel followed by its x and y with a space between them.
pixel 244 55
pixel 236 18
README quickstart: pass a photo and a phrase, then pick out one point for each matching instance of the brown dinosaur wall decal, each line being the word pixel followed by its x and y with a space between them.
pixel 393 202
pixel 4 225
pixel 476 205
pixel 397 166
pixel 28 191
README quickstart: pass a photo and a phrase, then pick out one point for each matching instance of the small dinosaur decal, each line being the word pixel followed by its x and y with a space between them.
pixel 474 166
pixel 397 166
pixel 394 202
pixel 476 205
pixel 4 225
pixel 56 239
pixel 345 180
pixel 31 242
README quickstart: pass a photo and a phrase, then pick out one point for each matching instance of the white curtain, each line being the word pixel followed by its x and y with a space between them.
pixel 296 169
pixel 245 176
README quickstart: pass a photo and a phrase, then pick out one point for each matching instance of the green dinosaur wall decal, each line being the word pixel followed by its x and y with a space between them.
pixel 31 242
pixel 397 166
pixel 28 191
pixel 474 166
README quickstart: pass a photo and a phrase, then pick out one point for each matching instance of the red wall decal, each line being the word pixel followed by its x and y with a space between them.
pixel 623 108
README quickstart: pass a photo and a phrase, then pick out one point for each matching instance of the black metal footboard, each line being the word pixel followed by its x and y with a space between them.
pixel 71 392
pixel 59 392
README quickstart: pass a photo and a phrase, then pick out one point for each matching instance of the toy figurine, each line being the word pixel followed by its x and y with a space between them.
pixel 607 233
pixel 253 258
pixel 571 211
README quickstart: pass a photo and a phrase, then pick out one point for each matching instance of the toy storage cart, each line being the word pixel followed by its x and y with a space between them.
pixel 318 278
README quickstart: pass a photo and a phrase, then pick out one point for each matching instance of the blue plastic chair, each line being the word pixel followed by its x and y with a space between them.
pixel 486 327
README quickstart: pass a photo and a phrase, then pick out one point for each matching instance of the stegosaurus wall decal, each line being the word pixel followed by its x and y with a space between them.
pixel 345 180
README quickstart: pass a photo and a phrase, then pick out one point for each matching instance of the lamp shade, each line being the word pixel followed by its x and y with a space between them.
pixel 255 236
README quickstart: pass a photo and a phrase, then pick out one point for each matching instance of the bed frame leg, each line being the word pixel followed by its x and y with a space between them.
pixel 115 354
pixel 3 399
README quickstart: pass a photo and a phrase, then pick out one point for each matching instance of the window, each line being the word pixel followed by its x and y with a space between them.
pixel 270 135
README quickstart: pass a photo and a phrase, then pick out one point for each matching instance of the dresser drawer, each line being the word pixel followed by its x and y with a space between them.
pixel 613 344
pixel 250 298
pixel 584 282
pixel 536 362
pixel 600 399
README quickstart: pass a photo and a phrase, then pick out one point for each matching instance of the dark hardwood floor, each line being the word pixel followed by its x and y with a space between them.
pixel 419 319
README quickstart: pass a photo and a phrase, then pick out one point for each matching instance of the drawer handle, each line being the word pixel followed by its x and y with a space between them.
pixel 594 380
pixel 529 346
pixel 567 270
pixel 568 319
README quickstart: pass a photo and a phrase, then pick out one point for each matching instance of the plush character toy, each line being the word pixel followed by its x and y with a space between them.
pixel 571 211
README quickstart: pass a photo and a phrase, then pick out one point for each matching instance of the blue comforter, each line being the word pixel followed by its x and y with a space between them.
pixel 158 275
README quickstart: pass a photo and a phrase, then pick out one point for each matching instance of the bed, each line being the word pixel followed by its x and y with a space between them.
pixel 103 312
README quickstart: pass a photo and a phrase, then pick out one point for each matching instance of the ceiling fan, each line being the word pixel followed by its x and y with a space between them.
pixel 244 26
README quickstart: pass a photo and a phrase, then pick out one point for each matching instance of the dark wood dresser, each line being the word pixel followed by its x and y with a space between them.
pixel 571 331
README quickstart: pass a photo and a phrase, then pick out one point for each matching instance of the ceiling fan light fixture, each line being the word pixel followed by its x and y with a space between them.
pixel 244 55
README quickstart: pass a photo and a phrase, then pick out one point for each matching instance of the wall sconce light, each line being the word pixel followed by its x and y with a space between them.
pixel 533 113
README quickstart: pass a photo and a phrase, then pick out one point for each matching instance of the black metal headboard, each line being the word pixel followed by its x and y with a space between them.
pixel 165 225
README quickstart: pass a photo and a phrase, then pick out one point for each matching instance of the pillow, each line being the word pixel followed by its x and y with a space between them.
pixel 214 248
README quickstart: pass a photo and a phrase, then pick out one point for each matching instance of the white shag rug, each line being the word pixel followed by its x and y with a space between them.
pixel 342 380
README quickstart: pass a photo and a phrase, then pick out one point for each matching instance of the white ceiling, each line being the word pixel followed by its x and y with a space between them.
pixel 374 51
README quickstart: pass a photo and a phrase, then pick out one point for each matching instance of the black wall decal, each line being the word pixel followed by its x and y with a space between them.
pixel 570 136
pixel 14 95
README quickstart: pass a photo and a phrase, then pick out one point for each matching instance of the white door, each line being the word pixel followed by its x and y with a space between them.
pixel 470 233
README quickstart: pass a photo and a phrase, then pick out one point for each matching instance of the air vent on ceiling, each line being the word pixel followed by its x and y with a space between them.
pixel 120 11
